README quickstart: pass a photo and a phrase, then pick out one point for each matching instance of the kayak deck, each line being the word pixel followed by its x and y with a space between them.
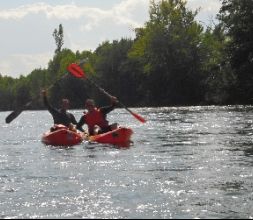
pixel 62 137
pixel 120 136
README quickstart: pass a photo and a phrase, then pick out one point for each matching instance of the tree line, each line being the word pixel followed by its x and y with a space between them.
pixel 173 61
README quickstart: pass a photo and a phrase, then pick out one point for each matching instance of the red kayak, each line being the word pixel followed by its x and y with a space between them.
pixel 120 136
pixel 62 136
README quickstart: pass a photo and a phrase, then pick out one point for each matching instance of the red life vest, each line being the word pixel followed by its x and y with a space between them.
pixel 95 118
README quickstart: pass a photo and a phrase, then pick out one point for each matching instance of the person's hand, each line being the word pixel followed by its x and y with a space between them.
pixel 114 99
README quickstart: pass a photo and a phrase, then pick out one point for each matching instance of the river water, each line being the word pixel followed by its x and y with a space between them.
pixel 187 162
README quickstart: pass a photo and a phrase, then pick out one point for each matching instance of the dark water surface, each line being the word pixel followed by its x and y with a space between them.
pixel 188 162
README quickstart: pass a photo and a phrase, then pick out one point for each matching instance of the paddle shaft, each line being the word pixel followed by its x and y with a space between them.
pixel 77 71
pixel 14 114
pixel 106 93
pixel 19 110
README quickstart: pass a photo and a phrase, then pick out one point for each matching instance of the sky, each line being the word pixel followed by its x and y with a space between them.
pixel 26 27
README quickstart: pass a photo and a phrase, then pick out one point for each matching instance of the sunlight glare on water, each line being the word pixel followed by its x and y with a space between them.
pixel 185 162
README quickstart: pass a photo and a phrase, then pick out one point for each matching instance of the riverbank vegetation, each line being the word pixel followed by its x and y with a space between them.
pixel 173 61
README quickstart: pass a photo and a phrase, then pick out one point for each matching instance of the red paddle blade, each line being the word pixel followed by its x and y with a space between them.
pixel 138 117
pixel 76 70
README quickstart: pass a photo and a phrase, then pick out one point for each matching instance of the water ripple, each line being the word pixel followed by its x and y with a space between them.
pixel 185 162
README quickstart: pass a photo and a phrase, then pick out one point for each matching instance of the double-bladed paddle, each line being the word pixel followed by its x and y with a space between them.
pixel 77 71
pixel 18 111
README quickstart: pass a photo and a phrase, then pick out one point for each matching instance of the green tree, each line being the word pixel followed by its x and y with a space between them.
pixel 58 36
pixel 7 97
pixel 116 72
pixel 36 81
pixel 236 17
pixel 22 91
pixel 219 76
pixel 68 87
pixel 169 47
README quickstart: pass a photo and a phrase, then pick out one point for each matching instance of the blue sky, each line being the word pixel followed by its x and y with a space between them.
pixel 27 26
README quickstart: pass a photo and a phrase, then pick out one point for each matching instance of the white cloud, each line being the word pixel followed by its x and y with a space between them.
pixel 205 5
pixel 208 9
pixel 121 13
pixel 19 64
pixel 126 10
pixel 65 12
pixel 84 28
pixel 27 42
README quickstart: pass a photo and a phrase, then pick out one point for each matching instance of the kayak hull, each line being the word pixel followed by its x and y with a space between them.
pixel 120 136
pixel 62 137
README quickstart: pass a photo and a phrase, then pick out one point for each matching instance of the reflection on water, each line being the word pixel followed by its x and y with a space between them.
pixel 186 162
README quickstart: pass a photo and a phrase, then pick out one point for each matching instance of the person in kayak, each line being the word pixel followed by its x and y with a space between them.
pixel 96 117
pixel 60 116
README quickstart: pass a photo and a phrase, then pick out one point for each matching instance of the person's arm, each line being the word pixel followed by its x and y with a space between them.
pixel 73 119
pixel 46 103
pixel 106 109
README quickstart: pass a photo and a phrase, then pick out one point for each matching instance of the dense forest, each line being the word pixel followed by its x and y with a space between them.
pixel 173 61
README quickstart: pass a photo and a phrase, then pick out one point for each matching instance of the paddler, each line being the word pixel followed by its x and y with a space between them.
pixel 60 116
pixel 96 117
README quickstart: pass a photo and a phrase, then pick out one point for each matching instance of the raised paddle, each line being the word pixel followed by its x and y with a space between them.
pixel 77 71
pixel 18 111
